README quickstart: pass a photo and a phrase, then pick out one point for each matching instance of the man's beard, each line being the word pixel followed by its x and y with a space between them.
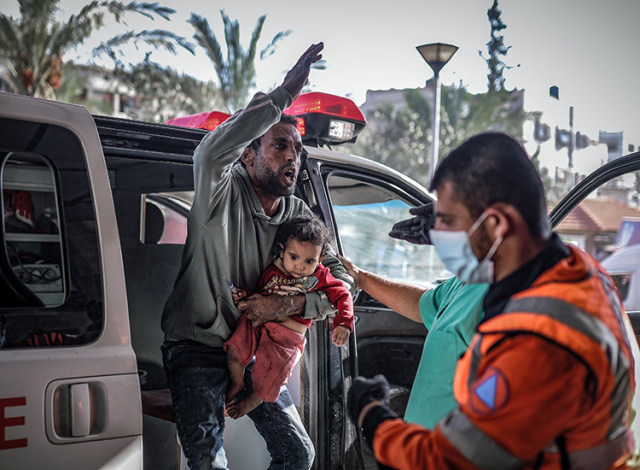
pixel 271 181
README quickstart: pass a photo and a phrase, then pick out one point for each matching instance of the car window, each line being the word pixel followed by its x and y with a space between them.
pixel 365 213
pixel 50 267
pixel 164 219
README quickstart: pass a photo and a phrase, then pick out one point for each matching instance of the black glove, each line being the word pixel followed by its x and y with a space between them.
pixel 363 391
pixel 416 229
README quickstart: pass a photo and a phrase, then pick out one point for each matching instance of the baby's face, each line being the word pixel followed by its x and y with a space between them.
pixel 301 259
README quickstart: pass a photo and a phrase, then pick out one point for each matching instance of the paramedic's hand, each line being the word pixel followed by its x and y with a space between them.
pixel 241 294
pixel 298 76
pixel 352 269
pixel 340 335
pixel 364 394
pixel 264 308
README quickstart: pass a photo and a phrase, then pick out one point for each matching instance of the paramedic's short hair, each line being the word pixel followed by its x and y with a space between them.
pixel 493 167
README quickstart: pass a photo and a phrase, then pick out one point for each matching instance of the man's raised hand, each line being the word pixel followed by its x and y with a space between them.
pixel 298 76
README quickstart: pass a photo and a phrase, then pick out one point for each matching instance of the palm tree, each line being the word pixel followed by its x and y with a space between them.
pixel 32 46
pixel 236 72
pixel 161 93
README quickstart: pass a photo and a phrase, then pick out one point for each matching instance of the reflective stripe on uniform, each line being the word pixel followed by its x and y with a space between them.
pixel 601 457
pixel 480 449
pixel 573 317
pixel 592 327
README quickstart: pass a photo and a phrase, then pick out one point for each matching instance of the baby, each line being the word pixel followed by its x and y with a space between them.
pixel 300 247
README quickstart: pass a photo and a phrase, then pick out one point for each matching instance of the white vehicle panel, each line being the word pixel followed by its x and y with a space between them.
pixel 102 374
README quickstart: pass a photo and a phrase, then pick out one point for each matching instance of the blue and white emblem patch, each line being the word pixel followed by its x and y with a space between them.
pixel 491 393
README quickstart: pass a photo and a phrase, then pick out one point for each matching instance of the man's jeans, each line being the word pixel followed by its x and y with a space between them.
pixel 197 376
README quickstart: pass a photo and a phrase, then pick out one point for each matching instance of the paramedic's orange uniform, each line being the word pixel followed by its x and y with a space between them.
pixel 547 384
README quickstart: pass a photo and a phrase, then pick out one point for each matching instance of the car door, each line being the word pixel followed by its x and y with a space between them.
pixel 70 393
pixel 361 200
pixel 595 215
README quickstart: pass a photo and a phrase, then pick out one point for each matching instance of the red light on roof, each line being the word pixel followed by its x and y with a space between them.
pixel 209 120
pixel 323 103
pixel 301 126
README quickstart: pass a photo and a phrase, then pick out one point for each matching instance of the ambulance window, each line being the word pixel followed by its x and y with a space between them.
pixel 32 243
pixel 51 291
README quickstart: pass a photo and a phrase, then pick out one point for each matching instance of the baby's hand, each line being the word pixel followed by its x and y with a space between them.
pixel 340 335
pixel 241 294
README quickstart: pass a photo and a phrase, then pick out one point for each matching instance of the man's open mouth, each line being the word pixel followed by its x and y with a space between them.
pixel 290 175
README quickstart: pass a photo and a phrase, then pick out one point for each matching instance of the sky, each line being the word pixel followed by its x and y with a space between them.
pixel 588 48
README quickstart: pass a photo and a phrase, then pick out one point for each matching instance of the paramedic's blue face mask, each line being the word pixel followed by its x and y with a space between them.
pixel 454 249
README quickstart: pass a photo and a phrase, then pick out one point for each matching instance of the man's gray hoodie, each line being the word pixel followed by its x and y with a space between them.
pixel 229 233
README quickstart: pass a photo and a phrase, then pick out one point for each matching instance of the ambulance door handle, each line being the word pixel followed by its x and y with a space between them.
pixel 80 398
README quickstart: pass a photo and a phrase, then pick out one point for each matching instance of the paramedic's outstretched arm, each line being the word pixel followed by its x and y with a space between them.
pixel 400 297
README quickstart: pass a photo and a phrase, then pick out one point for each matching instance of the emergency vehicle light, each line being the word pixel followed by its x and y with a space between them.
pixel 324 103
pixel 324 118
pixel 209 120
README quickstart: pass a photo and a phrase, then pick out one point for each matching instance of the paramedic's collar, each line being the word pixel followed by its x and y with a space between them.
pixel 499 293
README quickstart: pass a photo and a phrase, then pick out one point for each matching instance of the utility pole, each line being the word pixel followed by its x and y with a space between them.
pixel 569 139
pixel 571 143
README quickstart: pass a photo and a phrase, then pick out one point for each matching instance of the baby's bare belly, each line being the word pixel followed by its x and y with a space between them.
pixel 290 323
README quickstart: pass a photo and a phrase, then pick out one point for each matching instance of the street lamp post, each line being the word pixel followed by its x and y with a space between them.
pixel 436 55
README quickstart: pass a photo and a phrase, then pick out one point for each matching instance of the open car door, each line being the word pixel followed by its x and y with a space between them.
pixel 595 215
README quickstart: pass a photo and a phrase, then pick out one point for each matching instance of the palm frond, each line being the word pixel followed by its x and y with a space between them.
pixel 271 48
pixel 119 9
pixel 206 39
pixel 158 38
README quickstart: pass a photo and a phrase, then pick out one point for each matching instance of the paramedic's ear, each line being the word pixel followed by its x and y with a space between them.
pixel 248 156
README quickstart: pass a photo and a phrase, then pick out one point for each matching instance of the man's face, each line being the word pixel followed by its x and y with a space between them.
pixel 277 160
pixel 453 215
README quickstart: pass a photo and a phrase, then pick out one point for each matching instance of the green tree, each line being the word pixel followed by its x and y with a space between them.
pixel 236 71
pixel 32 46
pixel 464 114
pixel 399 135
